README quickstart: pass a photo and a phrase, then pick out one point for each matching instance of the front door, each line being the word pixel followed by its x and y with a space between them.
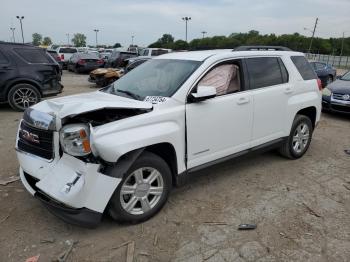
pixel 220 126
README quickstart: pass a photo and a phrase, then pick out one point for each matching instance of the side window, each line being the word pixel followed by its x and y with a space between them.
pixel 264 72
pixel 34 56
pixel 3 59
pixel 304 67
pixel 226 78
pixel 145 52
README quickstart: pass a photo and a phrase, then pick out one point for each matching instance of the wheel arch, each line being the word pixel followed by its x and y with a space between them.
pixel 23 81
pixel 164 150
pixel 310 112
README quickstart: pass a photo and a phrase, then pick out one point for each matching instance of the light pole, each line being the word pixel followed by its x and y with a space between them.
pixel 20 18
pixel 96 31
pixel 203 32
pixel 67 38
pixel 186 19
pixel 13 34
pixel 132 40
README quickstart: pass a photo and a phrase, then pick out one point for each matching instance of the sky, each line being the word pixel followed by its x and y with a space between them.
pixel 148 20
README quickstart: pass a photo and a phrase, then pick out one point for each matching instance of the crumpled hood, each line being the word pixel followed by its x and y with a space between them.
pixel 340 86
pixel 87 102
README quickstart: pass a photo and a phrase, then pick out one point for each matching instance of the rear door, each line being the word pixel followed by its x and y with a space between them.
pixel 268 82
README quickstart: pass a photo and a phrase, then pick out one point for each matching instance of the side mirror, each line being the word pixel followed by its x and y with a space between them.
pixel 203 93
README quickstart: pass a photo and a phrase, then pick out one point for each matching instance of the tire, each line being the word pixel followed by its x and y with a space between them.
pixel 290 148
pixel 132 201
pixel 22 96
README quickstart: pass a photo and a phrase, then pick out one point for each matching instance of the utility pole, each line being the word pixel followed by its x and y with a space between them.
pixel 96 31
pixel 186 19
pixel 313 35
pixel 67 38
pixel 342 45
pixel 203 32
pixel 132 40
pixel 20 18
pixel 13 34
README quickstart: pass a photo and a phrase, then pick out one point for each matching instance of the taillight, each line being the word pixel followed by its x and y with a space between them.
pixel 100 61
pixel 58 58
pixel 81 61
pixel 319 83
pixel 62 56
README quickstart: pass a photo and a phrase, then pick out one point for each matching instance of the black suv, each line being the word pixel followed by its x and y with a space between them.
pixel 27 73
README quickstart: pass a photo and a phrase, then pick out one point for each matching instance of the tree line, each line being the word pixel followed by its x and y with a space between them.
pixel 296 42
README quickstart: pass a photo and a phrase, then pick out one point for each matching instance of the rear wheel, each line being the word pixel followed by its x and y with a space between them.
pixel 299 138
pixel 143 190
pixel 22 96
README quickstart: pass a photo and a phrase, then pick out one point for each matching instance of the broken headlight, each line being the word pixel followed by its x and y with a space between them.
pixel 75 139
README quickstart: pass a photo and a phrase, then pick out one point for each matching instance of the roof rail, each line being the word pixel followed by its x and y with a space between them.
pixel 261 48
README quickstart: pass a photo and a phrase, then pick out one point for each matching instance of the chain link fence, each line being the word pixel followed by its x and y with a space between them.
pixel 336 61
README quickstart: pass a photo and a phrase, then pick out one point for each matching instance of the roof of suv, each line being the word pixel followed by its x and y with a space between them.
pixel 10 44
pixel 203 55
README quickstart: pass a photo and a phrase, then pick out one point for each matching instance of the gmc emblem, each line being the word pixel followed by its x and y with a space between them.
pixel 29 136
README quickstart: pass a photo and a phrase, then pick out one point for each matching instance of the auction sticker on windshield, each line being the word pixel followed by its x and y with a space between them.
pixel 155 99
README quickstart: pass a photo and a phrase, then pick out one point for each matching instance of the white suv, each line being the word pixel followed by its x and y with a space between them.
pixel 121 149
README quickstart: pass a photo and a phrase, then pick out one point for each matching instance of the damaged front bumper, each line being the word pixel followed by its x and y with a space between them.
pixel 71 189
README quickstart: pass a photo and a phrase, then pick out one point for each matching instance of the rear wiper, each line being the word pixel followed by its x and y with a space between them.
pixel 131 94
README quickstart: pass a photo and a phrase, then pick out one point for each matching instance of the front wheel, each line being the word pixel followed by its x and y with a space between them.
pixel 299 138
pixel 143 191
pixel 22 96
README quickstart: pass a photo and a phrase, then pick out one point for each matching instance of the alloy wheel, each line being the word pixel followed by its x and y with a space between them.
pixel 25 97
pixel 141 191
pixel 301 138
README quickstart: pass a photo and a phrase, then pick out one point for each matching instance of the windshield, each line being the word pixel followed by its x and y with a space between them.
pixel 159 77
pixel 346 76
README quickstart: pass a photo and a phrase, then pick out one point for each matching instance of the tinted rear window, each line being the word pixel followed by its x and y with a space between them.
pixel 68 50
pixel 89 56
pixel 34 56
pixel 266 71
pixel 304 67
pixel 159 52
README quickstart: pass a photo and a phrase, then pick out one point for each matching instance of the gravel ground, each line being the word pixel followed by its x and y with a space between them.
pixel 301 208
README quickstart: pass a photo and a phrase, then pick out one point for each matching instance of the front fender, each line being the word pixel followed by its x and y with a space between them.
pixel 111 146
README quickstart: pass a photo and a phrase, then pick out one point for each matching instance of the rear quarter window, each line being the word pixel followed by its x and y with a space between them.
pixel 34 56
pixel 305 69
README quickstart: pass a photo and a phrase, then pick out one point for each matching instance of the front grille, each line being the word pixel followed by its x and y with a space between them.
pixel 35 141
pixel 339 96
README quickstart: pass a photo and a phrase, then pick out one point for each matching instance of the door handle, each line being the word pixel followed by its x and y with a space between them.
pixel 288 90
pixel 242 100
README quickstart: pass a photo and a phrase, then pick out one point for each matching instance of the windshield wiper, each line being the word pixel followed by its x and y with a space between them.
pixel 131 94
